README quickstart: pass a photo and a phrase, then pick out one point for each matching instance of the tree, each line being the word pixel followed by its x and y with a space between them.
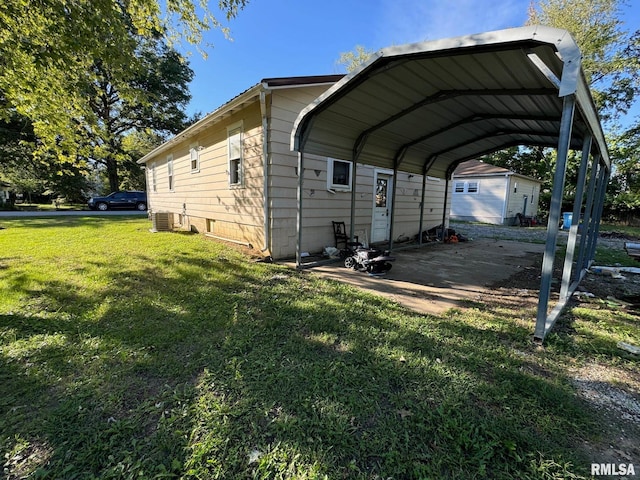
pixel 151 99
pixel 612 69
pixel 49 50
pixel 352 60
pixel 610 54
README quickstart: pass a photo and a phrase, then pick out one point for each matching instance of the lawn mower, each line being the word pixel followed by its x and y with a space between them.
pixel 370 260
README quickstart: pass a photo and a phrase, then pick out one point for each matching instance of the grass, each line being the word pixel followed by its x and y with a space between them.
pixel 125 354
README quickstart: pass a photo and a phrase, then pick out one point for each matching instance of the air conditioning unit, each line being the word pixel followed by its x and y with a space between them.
pixel 161 221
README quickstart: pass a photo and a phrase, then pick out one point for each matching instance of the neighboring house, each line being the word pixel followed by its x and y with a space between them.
pixel 232 175
pixel 490 194
pixel 5 188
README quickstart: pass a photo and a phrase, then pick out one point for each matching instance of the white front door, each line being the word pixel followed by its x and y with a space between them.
pixel 381 207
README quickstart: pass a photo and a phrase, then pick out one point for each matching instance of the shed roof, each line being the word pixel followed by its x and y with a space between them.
pixel 429 106
pixel 476 168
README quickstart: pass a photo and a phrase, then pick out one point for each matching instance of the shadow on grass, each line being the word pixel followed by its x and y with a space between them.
pixel 206 366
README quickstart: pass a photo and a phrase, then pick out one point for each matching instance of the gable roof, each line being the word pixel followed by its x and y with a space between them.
pixel 248 96
pixel 476 167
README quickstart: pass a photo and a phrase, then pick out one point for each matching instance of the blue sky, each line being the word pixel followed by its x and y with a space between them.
pixel 281 38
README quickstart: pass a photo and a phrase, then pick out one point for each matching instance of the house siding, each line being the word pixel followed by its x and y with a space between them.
pixel 496 202
pixel 526 187
pixel 484 206
pixel 205 202
pixel 321 206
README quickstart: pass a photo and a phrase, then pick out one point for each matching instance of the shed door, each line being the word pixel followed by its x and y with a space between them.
pixel 381 207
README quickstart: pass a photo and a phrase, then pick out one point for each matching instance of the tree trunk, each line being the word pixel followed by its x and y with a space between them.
pixel 112 174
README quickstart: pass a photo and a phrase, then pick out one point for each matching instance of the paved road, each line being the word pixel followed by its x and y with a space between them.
pixel 63 213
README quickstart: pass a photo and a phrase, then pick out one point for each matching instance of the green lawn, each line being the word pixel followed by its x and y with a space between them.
pixel 126 354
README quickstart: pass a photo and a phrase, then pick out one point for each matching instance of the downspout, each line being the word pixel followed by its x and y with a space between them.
pixel 299 211
pixel 265 169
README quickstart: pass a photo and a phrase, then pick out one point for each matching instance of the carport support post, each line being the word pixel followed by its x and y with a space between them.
pixel 352 221
pixel 587 222
pixel 424 187
pixel 575 219
pixel 299 212
pixel 564 141
pixel 393 202
pixel 598 215
pixel 444 206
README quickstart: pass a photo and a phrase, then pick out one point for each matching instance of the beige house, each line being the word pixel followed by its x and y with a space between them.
pixel 490 194
pixel 232 175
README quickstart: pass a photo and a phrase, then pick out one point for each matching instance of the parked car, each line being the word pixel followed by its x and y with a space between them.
pixel 128 200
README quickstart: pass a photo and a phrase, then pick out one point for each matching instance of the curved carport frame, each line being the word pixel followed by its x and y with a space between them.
pixel 427 107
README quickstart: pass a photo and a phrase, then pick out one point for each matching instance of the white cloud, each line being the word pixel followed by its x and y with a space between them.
pixel 406 21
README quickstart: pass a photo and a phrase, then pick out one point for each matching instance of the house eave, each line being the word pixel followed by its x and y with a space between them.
pixel 250 95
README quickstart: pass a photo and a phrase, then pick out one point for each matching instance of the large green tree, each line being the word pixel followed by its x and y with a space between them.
pixel 151 98
pixel 611 63
pixel 610 52
pixel 53 51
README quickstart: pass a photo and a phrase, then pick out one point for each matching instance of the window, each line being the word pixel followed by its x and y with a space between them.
pixel 154 179
pixel 194 154
pixel 170 172
pixel 466 187
pixel 234 140
pixel 339 173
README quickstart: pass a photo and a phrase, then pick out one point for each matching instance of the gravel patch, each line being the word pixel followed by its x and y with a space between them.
pixel 525 234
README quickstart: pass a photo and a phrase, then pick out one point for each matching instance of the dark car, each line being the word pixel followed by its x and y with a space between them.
pixel 129 200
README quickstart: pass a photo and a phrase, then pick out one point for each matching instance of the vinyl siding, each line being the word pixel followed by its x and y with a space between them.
pixel 484 206
pixel 320 206
pixel 516 199
pixel 494 194
pixel 204 199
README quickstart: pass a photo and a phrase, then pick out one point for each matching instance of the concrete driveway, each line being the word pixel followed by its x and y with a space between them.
pixel 437 276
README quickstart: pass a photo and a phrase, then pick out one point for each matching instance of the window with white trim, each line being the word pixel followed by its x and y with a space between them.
pixel 154 178
pixel 339 174
pixel 466 187
pixel 234 148
pixel 194 156
pixel 170 172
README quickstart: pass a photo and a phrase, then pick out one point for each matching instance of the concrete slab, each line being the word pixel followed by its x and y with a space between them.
pixel 437 276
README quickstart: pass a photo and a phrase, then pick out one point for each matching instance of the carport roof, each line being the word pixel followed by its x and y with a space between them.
pixel 429 106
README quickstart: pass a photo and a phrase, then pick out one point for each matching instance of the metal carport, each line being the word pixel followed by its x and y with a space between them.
pixel 426 107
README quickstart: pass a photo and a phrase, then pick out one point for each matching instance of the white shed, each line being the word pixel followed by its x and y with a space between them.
pixel 490 194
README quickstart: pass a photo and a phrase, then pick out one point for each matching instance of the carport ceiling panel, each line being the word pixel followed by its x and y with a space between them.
pixel 378 100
